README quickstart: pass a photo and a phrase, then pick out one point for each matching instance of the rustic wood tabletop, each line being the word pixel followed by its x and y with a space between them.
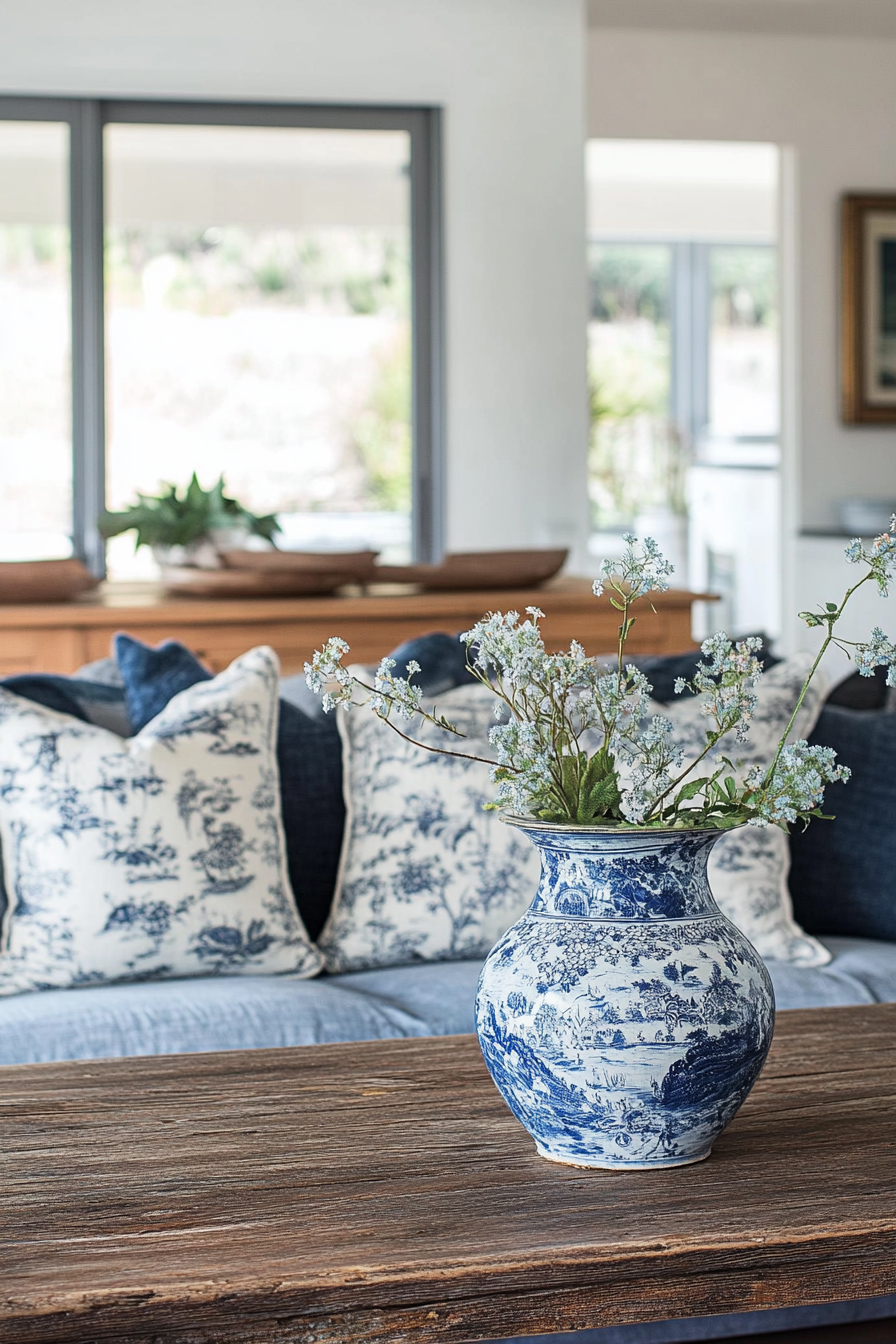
pixel 381 1190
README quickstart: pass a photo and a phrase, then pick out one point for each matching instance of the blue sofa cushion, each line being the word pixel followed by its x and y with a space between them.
pixel 257 1011
pixel 843 872
pixel 91 701
pixel 309 758
pixel 442 659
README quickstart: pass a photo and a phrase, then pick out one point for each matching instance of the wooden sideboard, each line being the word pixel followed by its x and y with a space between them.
pixel 62 637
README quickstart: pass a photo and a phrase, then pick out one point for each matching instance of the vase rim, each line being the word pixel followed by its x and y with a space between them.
pixel 576 828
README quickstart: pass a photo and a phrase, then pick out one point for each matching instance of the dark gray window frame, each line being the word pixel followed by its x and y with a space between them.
pixel 86 118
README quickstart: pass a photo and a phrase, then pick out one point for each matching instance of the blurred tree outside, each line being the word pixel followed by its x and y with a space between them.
pixel 281 356
pixel 635 458
pixel 382 431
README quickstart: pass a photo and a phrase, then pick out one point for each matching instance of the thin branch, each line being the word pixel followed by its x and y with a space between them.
pixel 443 751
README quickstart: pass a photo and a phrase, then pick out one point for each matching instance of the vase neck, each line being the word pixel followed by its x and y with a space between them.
pixel 624 875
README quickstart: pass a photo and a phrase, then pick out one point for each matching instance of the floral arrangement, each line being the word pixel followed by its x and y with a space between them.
pixel 547 705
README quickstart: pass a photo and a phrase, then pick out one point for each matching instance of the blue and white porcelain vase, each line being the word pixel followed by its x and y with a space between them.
pixel 624 1019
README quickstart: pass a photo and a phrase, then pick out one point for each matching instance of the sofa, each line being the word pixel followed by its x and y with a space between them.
pixel 436 998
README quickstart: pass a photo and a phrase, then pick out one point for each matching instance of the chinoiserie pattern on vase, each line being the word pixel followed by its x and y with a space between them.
pixel 623 1018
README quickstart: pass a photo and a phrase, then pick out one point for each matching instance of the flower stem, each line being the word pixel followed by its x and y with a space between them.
pixel 831 619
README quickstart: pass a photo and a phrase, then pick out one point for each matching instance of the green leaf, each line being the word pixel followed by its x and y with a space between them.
pixel 171 519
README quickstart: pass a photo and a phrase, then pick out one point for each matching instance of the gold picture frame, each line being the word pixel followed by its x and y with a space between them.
pixel 868 308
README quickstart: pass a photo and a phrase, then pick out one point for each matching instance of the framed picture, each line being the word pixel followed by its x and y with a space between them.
pixel 868 318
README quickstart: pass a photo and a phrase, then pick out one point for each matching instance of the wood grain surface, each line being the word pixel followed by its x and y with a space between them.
pixel 381 1191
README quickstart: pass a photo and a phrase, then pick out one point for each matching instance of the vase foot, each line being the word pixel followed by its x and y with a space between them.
pixel 608 1164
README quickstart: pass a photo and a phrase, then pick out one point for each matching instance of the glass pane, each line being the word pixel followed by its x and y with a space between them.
pixel 35 342
pixel 635 461
pixel 258 324
pixel 743 359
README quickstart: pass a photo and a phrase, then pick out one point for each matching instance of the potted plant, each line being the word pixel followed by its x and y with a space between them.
pixel 623 1018
pixel 189 527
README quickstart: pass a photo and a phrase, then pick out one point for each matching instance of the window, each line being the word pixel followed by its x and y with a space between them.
pixel 743 343
pixel 684 364
pixel 35 341
pixel 255 290
pixel 634 451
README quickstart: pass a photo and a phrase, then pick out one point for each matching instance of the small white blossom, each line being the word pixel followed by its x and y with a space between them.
pixel 798 783
pixel 878 652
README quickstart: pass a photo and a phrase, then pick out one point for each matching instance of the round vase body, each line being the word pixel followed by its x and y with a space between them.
pixel 624 1019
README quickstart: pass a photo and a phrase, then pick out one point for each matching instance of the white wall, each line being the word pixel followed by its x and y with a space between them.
pixel 510 76
pixel 832 101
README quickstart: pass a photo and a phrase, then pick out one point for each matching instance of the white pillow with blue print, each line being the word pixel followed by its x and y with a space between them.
pixel 748 867
pixel 426 874
pixel 156 856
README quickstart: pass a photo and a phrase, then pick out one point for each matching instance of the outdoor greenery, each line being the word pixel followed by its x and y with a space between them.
pixel 214 270
pixel 745 286
pixel 382 431
pixel 635 457
pixel 629 282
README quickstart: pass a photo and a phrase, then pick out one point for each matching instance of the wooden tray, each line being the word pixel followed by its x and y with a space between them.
pixel 354 566
pixel 467 570
pixel 249 582
pixel 44 580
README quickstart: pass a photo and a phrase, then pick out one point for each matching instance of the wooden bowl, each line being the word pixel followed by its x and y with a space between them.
pixel 250 582
pixel 354 566
pixel 468 570
pixel 44 580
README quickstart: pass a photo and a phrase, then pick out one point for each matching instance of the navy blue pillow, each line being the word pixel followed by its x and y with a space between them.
pixel 843 872
pixel 661 670
pixel 442 659
pixel 92 701
pixel 309 756
pixel 443 665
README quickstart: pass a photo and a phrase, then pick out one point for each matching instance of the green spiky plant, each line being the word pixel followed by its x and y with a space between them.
pixel 172 518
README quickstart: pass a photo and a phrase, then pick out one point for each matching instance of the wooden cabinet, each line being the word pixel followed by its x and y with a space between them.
pixel 62 637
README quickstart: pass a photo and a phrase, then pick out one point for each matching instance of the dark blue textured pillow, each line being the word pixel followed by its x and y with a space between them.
pixel 662 670
pixel 843 872
pixel 309 755
pixel 442 659
pixel 91 701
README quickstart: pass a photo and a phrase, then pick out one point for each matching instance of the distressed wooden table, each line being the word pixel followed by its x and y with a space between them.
pixel 382 1192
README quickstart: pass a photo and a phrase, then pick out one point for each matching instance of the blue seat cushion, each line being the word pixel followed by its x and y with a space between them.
pixel 843 872
pixel 237 1013
pixel 309 757
pixel 251 1011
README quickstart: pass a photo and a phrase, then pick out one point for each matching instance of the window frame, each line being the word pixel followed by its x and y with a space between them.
pixel 86 118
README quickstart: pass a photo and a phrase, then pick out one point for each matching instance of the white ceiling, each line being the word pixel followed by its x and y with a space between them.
pixel 850 18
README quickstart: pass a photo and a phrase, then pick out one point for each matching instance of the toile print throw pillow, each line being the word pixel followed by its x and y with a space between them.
pixel 425 874
pixel 749 867
pixel 156 856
